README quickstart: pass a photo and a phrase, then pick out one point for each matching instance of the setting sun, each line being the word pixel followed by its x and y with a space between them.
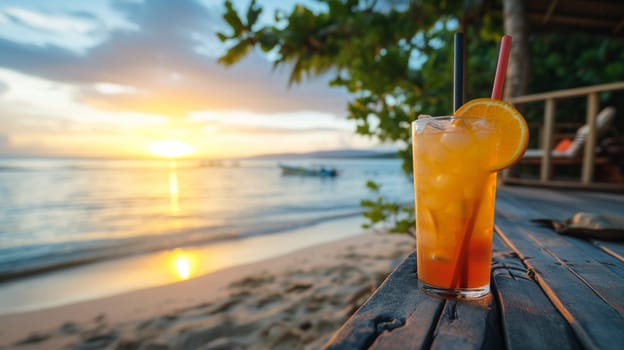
pixel 171 148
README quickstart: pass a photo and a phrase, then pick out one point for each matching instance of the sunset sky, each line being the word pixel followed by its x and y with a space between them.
pixel 107 78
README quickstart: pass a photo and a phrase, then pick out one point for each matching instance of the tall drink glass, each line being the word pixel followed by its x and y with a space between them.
pixel 454 200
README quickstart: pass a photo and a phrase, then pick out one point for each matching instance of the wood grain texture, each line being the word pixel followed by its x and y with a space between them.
pixel 604 272
pixel 615 249
pixel 585 284
pixel 417 333
pixel 467 325
pixel 567 93
pixel 549 291
pixel 387 310
pixel 528 318
pixel 589 309
pixel 561 205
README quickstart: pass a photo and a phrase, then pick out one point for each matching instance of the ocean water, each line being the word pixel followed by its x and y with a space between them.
pixel 57 214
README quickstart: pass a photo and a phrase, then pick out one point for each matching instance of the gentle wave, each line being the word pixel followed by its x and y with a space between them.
pixel 24 261
pixel 130 165
pixel 9 168
pixel 16 168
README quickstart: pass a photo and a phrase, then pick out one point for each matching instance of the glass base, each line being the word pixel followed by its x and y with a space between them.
pixel 456 293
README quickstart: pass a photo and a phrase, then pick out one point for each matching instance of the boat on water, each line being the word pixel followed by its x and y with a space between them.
pixel 307 171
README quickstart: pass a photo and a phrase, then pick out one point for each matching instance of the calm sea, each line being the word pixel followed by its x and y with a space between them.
pixel 58 213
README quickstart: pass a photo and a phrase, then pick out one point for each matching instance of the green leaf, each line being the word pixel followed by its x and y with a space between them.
pixel 373 186
pixel 367 203
pixel 231 17
pixel 403 226
pixel 253 12
pixel 268 40
pixel 222 36
pixel 235 53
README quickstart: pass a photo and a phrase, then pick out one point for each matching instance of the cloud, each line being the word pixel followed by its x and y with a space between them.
pixel 256 129
pixel 33 99
pixel 3 87
pixel 48 22
pixel 165 59
pixel 299 119
pixel 73 29
pixel 113 89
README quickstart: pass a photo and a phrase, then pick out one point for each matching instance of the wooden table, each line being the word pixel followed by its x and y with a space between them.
pixel 549 291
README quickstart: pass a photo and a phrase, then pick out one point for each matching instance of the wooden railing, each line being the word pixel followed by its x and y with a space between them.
pixel 550 98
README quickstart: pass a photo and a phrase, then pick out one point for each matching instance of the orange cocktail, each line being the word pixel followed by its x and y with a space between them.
pixel 454 191
pixel 455 165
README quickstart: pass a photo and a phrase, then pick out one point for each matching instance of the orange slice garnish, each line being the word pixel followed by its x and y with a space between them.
pixel 511 129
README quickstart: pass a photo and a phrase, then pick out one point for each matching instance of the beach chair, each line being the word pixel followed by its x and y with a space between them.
pixel 569 153
pixel 582 161
pixel 572 149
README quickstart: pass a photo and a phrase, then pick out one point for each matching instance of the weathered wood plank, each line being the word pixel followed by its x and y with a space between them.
pixel 587 169
pixel 615 249
pixel 561 205
pixel 590 261
pixel 594 319
pixel 468 325
pixel 602 271
pixel 387 309
pixel 529 319
pixel 461 325
pixel 603 197
pixel 566 203
pixel 612 203
pixel 565 184
pixel 567 93
pixel 596 271
pixel 417 331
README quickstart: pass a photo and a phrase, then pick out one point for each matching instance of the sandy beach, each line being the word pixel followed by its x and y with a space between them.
pixel 294 301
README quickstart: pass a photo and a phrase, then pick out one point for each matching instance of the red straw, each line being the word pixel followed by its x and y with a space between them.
pixel 501 68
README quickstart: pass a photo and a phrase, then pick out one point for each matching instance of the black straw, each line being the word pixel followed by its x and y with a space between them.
pixel 458 71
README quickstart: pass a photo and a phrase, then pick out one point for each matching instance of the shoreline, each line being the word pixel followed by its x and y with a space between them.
pixel 323 279
pixel 161 267
pixel 128 247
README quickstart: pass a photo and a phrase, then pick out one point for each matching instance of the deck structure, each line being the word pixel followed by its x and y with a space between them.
pixel 588 162
pixel 549 291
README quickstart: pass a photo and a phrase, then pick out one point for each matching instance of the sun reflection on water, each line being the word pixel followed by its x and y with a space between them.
pixel 174 190
pixel 184 264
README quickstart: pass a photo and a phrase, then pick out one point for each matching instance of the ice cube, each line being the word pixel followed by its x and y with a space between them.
pixel 425 223
pixel 481 128
pixel 458 123
pixel 437 124
pixel 436 154
pixel 455 140
pixel 442 181
pixel 471 189
pixel 480 124
pixel 456 209
pixel 421 126
pixel 440 256
pixel 425 216
pixel 431 199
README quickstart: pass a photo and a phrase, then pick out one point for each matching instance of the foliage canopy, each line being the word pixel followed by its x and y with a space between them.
pixel 395 60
